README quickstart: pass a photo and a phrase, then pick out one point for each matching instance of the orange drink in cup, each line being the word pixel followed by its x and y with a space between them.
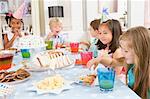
pixel 74 46
pixel 6 61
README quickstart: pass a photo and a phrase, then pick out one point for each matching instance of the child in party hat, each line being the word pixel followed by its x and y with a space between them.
pixel 15 23
pixel 108 36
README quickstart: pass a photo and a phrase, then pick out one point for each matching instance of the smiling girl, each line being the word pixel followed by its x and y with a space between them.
pixel 135 46
pixel 10 38
pixel 108 43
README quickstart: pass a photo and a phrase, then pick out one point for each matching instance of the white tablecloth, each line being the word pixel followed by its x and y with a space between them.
pixel 121 91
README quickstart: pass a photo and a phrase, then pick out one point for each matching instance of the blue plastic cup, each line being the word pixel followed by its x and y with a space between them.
pixel 106 77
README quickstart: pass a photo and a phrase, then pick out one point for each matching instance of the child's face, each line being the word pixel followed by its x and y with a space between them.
pixel 15 24
pixel 105 35
pixel 127 52
pixel 56 28
pixel 93 32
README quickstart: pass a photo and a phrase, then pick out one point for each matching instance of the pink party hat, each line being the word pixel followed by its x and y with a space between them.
pixel 20 11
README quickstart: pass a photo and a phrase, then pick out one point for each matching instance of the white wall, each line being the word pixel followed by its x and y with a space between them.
pixel 35 17
pixel 93 11
pixel 77 20
pixel 135 13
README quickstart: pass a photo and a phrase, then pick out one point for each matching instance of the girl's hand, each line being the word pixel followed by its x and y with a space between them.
pixel 17 33
pixel 50 35
pixel 100 59
pixel 104 58
pixel 92 62
pixel 103 53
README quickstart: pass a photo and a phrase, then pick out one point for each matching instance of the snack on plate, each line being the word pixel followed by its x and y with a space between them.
pixel 43 60
pixel 54 59
pixel 88 80
pixel 60 45
pixel 12 49
pixel 78 62
pixel 13 76
pixel 51 83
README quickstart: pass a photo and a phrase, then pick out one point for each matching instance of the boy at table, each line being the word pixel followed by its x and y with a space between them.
pixel 54 35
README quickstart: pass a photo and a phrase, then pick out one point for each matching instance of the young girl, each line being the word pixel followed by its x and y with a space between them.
pixel 109 33
pixel 88 41
pixel 135 45
pixel 10 38
pixel 15 23
pixel 55 27
pixel 93 31
pixel 135 48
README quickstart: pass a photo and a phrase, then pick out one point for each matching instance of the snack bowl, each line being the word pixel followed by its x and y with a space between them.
pixel 54 84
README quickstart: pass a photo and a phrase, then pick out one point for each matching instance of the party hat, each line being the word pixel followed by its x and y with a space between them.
pixel 105 14
pixel 20 11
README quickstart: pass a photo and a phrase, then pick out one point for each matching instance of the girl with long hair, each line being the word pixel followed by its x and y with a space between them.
pixel 109 32
pixel 135 45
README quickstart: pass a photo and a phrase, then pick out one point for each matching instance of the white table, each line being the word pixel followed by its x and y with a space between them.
pixel 121 91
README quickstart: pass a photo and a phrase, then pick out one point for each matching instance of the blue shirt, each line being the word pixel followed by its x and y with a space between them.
pixel 93 48
pixel 130 76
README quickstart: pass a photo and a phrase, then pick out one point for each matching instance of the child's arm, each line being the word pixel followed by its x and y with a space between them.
pixel 85 45
pixel 107 61
pixel 7 43
pixel 85 41
pixel 50 35
pixel 113 62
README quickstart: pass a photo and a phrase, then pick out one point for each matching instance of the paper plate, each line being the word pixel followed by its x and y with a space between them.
pixel 81 82
pixel 18 81
pixel 34 64
pixel 56 90
pixel 66 86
